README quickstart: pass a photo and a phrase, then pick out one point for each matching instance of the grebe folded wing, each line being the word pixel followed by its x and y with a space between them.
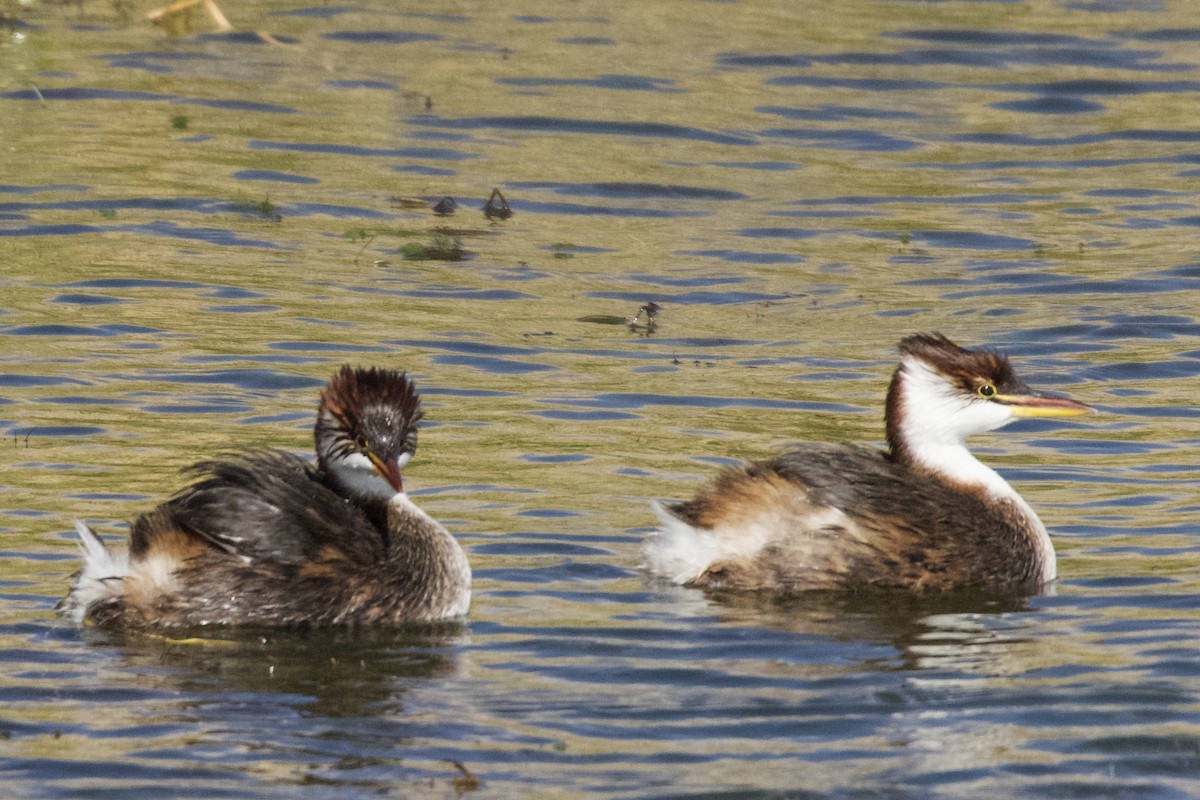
pixel 267 505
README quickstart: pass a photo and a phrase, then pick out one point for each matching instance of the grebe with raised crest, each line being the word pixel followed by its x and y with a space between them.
pixel 923 515
pixel 263 538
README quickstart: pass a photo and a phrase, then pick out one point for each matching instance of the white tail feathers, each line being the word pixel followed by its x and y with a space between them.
pixel 101 577
pixel 676 550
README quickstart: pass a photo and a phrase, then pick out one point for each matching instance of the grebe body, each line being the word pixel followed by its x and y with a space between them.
pixel 923 515
pixel 263 538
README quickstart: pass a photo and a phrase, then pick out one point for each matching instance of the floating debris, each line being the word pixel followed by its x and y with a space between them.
pixel 445 207
pixel 169 16
pixel 603 319
pixel 466 781
pixel 444 247
pixel 400 201
pixel 650 310
pixel 497 207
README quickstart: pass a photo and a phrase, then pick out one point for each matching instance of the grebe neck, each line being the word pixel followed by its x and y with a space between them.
pixel 928 423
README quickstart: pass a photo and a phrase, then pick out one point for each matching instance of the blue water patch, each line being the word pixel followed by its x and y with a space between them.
pixel 691 298
pixel 587 210
pixel 77 330
pixel 630 400
pixel 65 229
pixel 632 191
pixel 218 236
pixel 380 37
pixel 415 169
pixel 499 366
pixel 327 347
pixel 1050 104
pixel 247 309
pixel 318 12
pixel 245 37
pixel 836 113
pixel 689 282
pixel 1105 87
pixel 1001 49
pixel 971 240
pixel 82 401
pixel 1160 35
pixel 636 83
pixel 133 283
pixel 153 61
pixel 233 293
pixel 80 93
pixel 451 392
pixel 56 431
pixel 248 379
pixel 431 153
pixel 272 175
pixel 549 513
pixel 87 299
pixel 860 84
pixel 760 61
pixel 747 256
pixel 586 126
pixel 300 209
pixel 765 166
pixel 474 348
pixel 780 233
pixel 9 188
pixel 199 205
pixel 562 458
pixel 585 416
pixel 361 84
pixel 215 407
pixel 845 139
pixel 588 41
pixel 452 293
pixel 524 273
pixel 31 381
pixel 1025 140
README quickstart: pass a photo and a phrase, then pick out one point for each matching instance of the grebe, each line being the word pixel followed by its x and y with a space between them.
pixel 924 515
pixel 263 538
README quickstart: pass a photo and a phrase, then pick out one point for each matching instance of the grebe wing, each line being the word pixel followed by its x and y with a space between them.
pixel 826 516
pixel 267 505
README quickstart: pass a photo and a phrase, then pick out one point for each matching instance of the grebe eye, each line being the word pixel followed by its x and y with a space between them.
pixel 987 390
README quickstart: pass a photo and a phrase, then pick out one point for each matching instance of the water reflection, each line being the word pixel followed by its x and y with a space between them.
pixel 321 672
pixel 966 630
pixel 197 229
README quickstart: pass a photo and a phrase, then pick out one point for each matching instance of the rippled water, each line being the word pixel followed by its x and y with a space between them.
pixel 196 229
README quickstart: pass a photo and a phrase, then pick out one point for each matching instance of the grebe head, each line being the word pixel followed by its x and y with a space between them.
pixel 367 429
pixel 942 393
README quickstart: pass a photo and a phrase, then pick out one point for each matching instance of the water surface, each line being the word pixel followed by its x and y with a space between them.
pixel 197 229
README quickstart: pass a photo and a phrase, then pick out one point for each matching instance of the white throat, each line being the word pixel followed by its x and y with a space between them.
pixel 356 472
pixel 937 418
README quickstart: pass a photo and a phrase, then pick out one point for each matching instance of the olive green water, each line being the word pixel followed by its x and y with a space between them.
pixel 196 229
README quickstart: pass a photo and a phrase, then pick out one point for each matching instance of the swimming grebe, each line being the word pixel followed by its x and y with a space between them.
pixel 923 515
pixel 263 538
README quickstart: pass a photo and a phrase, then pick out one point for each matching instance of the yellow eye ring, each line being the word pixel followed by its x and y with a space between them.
pixel 987 390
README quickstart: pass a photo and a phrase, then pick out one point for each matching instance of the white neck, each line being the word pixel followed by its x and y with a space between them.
pixel 358 474
pixel 936 419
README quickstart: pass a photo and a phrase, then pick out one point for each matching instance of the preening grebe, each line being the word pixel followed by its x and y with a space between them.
pixel 265 539
pixel 923 515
